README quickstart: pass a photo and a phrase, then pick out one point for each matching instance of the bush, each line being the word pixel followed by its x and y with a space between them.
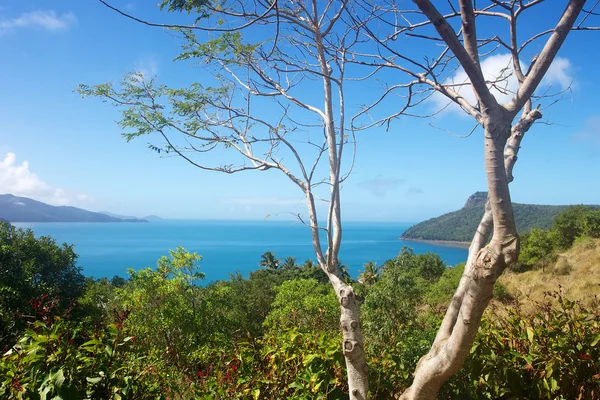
pixel 60 361
pixel 553 354
pixel 537 249
pixel 306 305
pixel 34 273
pixel 574 222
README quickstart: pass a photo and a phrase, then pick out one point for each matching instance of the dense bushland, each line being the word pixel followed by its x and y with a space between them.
pixel 540 247
pixel 161 334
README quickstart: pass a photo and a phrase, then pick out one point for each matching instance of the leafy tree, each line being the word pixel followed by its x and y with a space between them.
pixel 269 260
pixel 164 305
pixel 574 222
pixel 290 262
pixel 276 101
pixel 35 273
pixel 537 246
pixel 390 305
pixel 306 305
pixel 370 274
pixel 427 266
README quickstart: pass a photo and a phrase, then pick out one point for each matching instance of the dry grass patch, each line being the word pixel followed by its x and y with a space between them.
pixel 576 272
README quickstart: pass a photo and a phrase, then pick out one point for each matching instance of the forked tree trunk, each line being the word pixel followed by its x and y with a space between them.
pixel 461 322
pixel 485 264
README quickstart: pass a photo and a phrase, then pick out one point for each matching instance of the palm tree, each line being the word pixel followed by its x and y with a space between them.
pixel 370 273
pixel 269 260
pixel 289 263
pixel 308 264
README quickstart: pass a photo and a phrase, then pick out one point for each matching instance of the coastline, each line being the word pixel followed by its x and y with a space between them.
pixel 447 243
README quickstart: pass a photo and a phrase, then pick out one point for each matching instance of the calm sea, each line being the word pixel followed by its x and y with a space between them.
pixel 108 249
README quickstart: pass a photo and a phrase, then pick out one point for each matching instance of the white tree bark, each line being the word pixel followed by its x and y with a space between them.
pixel 486 262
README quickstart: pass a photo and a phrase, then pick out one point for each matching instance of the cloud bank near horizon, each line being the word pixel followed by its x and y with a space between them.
pixel 19 180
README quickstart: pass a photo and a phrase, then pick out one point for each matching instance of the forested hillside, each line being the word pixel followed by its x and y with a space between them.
pixel 461 225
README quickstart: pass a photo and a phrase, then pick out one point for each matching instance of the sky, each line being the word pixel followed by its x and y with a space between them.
pixel 64 150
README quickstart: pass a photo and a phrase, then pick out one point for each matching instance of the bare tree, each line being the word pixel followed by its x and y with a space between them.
pixel 464 49
pixel 258 109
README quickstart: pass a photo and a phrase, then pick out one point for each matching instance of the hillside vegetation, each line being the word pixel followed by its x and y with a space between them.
pixel 575 273
pixel 461 225
pixel 274 335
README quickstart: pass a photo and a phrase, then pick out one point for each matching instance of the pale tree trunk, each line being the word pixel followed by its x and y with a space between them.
pixel 352 341
pixel 484 265
pixel 457 332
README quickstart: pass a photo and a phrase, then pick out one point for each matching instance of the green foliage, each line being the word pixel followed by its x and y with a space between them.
pixel 36 274
pixel 442 291
pixel 389 310
pixel 289 364
pixel 391 369
pixel 553 354
pixel 428 266
pixel 290 262
pixel 56 361
pixel 575 222
pixel 537 247
pixel 189 6
pixel 164 305
pixel 269 260
pixel 370 274
pixel 306 305
pixel 99 298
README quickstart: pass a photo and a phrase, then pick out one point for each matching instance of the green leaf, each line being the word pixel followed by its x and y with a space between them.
pixel 93 381
pixel 310 358
pixel 256 394
pixel 596 340
pixel 109 350
pixel 296 385
pixel 553 385
pixel 530 334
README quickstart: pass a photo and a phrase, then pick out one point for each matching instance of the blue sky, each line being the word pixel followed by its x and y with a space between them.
pixel 60 148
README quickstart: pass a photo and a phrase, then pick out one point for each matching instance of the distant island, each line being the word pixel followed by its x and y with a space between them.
pixel 152 218
pixel 22 209
pixel 460 226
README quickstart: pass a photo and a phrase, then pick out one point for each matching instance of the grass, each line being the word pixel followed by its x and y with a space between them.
pixel 576 273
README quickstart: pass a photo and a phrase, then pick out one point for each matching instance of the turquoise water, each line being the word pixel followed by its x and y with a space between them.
pixel 108 249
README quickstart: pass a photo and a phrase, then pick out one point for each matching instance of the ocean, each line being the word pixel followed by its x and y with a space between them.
pixel 108 249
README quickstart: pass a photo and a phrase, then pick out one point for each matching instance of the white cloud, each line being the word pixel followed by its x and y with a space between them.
pixel 560 73
pixel 380 186
pixel 20 181
pixel 41 19
pixel 147 68
pixel 498 68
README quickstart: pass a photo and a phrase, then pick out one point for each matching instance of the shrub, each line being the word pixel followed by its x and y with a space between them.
pixel 553 354
pixel 34 271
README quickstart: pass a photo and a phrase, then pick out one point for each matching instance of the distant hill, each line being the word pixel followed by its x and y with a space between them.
pixel 118 216
pixel 23 209
pixel 152 218
pixel 461 225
